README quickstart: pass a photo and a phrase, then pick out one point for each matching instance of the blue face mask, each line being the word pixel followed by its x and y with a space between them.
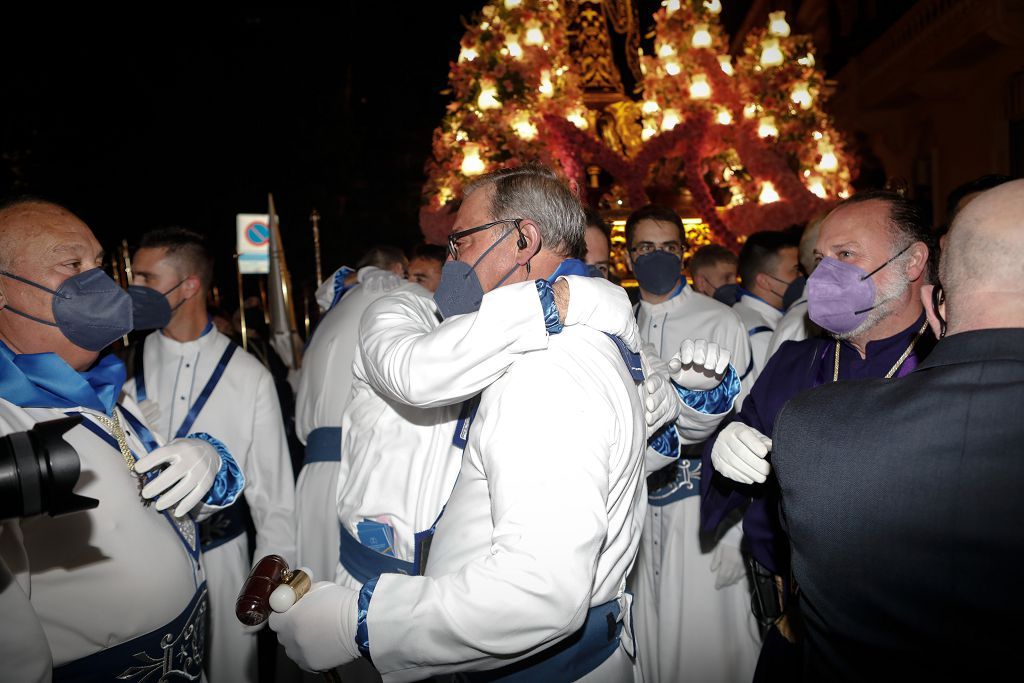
pixel 150 308
pixel 658 271
pixel 460 290
pixel 728 294
pixel 89 308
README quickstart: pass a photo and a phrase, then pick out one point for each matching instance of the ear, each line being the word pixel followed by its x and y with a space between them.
pixel 929 310
pixel 531 233
pixel 190 286
pixel 918 265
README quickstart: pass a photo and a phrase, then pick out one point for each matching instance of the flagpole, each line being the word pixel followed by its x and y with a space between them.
pixel 315 217
pixel 126 260
pixel 241 303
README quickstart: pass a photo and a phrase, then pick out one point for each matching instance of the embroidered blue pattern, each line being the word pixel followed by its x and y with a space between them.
pixel 230 481
pixel 665 441
pixel 713 401
pixel 362 634
pixel 547 302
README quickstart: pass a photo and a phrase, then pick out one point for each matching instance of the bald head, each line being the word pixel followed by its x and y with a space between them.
pixel 25 223
pixel 982 268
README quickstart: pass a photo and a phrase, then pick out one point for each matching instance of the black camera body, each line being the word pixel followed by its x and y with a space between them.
pixel 38 470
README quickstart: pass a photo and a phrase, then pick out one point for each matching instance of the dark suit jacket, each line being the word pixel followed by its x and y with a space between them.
pixel 904 502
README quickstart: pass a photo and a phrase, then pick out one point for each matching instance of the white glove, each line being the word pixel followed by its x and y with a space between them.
pixel 700 365
pixel 193 465
pixel 319 631
pixel 661 402
pixel 597 303
pixel 150 411
pixel 739 454
pixel 727 563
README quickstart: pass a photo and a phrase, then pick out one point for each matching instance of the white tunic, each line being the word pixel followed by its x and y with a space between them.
pixel 92 579
pixel 243 412
pixel 325 384
pixel 760 319
pixel 410 374
pixel 543 523
pixel 687 629
pixel 794 326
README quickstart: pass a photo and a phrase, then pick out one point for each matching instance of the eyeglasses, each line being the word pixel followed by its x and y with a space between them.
pixel 453 239
pixel 642 248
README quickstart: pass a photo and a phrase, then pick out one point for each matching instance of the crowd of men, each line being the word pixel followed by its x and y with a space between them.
pixel 798 462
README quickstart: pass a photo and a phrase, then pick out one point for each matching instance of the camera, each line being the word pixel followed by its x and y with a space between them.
pixel 38 470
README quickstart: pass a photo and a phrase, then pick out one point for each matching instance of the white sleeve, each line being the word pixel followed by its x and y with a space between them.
pixel 410 360
pixel 269 483
pixel 694 426
pixel 24 650
pixel 547 473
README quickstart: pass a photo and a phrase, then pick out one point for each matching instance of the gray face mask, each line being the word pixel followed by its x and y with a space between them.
pixel 89 308
pixel 460 290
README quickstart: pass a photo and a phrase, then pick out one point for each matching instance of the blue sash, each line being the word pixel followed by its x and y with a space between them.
pixel 174 652
pixel 224 525
pixel 364 564
pixel 323 445
pixel 678 480
pixel 569 660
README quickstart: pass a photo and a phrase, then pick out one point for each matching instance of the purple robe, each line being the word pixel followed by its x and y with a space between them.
pixel 794 368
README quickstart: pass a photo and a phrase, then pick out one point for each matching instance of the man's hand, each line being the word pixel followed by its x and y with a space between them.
pixel 661 402
pixel 700 365
pixel 739 454
pixel 599 304
pixel 192 466
pixel 319 631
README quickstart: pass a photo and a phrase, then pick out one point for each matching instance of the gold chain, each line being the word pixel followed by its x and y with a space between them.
pixel 899 361
pixel 113 425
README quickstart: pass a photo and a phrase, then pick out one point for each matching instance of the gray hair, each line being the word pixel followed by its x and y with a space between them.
pixel 535 192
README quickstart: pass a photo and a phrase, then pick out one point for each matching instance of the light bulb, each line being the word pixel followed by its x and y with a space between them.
pixel 724 118
pixel 650 107
pixel 647 133
pixel 771 55
pixel 670 119
pixel 768 193
pixel 515 50
pixel 488 98
pixel 577 119
pixel 534 36
pixel 726 63
pixel 672 68
pixel 472 164
pixel 816 186
pixel 665 50
pixel 671 6
pixel 700 89
pixel 713 6
pixel 828 161
pixel 766 127
pixel 523 127
pixel 545 87
pixel 777 25
pixel 801 95
pixel 701 36
pixel 749 111
pixel 467 54
pixel 807 60
pixel 512 4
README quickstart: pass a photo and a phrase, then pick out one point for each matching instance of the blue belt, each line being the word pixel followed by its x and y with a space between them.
pixel 172 653
pixel 569 660
pixel 323 445
pixel 224 525
pixel 364 563
pixel 676 481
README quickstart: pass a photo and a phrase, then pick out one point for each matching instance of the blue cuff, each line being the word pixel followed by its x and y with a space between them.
pixel 547 303
pixel 665 441
pixel 713 401
pixel 229 481
pixel 339 284
pixel 362 634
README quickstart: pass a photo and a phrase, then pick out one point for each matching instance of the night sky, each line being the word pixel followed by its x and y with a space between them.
pixel 142 120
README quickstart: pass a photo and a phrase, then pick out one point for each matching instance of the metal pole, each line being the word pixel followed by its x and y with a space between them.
pixel 315 217
pixel 241 304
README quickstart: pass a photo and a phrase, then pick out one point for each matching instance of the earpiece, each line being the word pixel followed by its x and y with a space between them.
pixel 521 242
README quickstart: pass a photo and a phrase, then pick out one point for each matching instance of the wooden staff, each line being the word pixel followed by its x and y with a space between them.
pixel 315 217
pixel 241 304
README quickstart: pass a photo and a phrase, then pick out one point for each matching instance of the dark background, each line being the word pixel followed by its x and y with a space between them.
pixel 137 120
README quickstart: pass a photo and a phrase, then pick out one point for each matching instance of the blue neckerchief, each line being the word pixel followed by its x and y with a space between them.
pixel 339 285
pixel 570 266
pixel 44 380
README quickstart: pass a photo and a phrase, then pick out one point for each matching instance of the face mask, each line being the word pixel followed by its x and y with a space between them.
pixel 794 290
pixel 150 308
pixel 657 272
pixel 89 308
pixel 460 290
pixel 728 294
pixel 839 295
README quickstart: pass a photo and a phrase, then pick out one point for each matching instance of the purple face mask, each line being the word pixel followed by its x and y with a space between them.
pixel 840 295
